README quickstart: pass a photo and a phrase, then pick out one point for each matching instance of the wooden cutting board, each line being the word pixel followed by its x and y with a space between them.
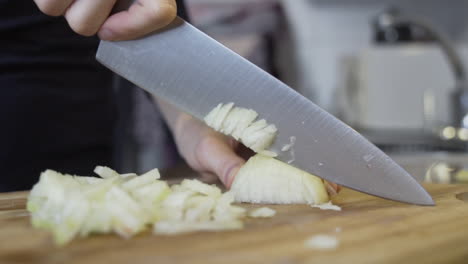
pixel 369 230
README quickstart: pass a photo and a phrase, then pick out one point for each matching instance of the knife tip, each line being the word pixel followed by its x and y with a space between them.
pixel 422 198
pixel 428 201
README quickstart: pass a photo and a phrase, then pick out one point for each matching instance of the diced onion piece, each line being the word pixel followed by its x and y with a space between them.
pixel 210 117
pixel 49 180
pixel 259 139
pixel 239 123
pixel 142 180
pixel 224 209
pixel 268 153
pixel 263 212
pixel 98 220
pixel 124 224
pixel 199 208
pixel 128 175
pixel 221 116
pixel 105 172
pixel 290 145
pixel 174 204
pixel 267 180
pixel 98 190
pixel 200 187
pixel 87 180
pixel 50 199
pixel 238 120
pixel 124 200
pixel 128 216
pixel 154 174
pixel 73 215
pixel 248 136
pixel 245 117
pixel 231 121
pixel 52 192
pixel 322 242
pixel 177 227
pixel 153 192
pixel 327 206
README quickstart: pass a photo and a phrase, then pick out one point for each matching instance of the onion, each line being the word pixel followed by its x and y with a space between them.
pixel 327 206
pixel 127 204
pixel 267 180
pixel 322 242
pixel 263 212
pixel 239 123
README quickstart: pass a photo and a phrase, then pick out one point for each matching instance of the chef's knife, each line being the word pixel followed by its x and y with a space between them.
pixel 187 68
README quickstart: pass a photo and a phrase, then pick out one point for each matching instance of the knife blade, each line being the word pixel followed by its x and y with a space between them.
pixel 189 69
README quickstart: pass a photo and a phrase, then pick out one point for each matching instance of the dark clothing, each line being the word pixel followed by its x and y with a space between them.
pixel 57 106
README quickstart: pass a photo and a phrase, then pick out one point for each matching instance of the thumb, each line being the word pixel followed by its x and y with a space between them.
pixel 143 17
pixel 216 155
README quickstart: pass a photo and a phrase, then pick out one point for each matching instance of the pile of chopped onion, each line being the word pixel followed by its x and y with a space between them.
pixel 194 205
pixel 127 204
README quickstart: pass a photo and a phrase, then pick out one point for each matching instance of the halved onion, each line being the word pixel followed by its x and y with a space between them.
pixel 267 180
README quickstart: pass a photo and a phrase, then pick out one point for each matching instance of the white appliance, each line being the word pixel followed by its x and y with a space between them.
pixel 400 89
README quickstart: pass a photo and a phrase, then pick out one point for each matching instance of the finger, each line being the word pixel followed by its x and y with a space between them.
pixel 143 17
pixel 53 7
pixel 207 177
pixel 217 156
pixel 85 17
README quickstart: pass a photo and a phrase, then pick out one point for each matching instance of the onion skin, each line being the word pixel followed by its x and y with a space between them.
pixel 332 188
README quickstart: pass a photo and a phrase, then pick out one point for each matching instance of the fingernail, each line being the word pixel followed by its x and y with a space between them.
pixel 230 177
pixel 106 34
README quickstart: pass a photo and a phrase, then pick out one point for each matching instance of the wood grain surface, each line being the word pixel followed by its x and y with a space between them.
pixel 369 230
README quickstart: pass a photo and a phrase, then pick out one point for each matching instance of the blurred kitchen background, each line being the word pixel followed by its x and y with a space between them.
pixel 392 69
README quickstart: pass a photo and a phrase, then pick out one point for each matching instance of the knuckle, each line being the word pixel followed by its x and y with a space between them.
pixel 204 145
pixel 82 29
pixel 49 7
pixel 196 156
